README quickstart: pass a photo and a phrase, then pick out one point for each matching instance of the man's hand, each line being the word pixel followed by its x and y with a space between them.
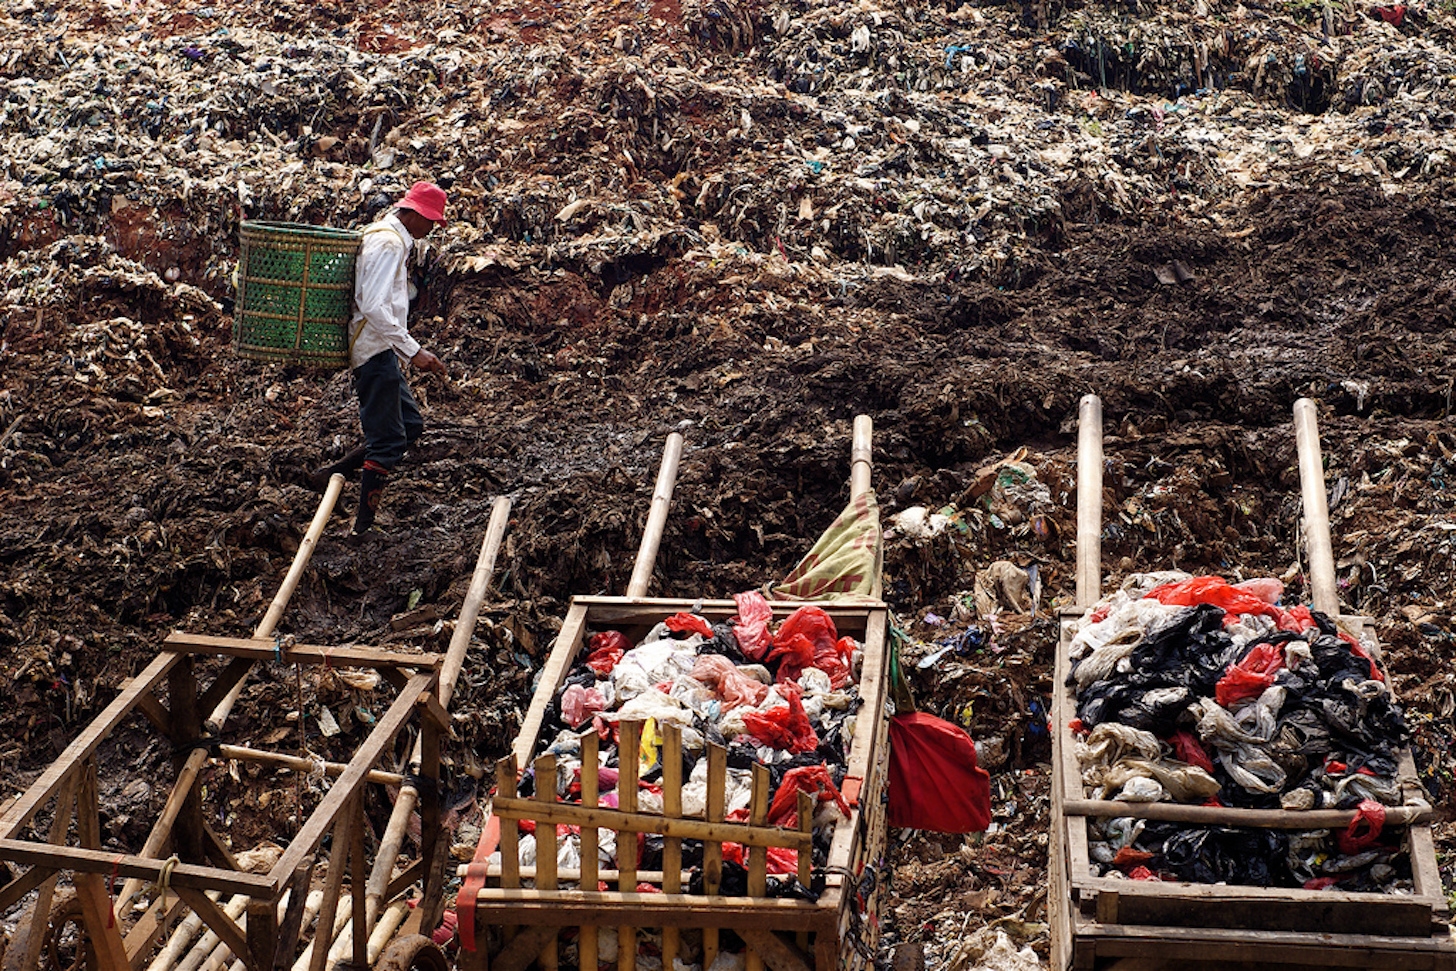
pixel 428 362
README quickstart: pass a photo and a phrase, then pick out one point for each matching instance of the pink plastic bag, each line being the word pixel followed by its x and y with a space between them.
pixel 784 727
pixel 1267 589
pixel 751 630
pixel 731 686
pixel 579 705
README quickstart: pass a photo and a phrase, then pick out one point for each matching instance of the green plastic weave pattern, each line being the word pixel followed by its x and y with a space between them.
pixel 295 293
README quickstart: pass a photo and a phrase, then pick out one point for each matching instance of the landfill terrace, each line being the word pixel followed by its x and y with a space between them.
pixel 748 221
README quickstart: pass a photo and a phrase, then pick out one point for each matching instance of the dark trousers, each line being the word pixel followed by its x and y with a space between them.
pixel 387 410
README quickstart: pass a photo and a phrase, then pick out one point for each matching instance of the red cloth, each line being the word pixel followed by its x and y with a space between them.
pixel 935 783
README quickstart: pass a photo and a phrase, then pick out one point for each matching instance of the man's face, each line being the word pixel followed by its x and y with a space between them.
pixel 419 227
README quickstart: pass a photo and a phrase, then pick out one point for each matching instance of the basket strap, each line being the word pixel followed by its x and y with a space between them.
pixel 403 270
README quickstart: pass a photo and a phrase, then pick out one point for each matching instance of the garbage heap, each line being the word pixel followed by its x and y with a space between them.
pixel 784 697
pixel 1193 690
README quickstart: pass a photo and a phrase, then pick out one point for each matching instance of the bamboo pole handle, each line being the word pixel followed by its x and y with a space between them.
pixel 1227 816
pixel 861 464
pixel 1089 501
pixel 265 630
pixel 1323 592
pixel 408 799
pixel 656 517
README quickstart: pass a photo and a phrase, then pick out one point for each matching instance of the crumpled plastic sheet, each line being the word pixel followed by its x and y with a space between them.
pixel 1306 721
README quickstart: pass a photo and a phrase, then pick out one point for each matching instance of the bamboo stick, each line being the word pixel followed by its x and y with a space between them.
pixel 294 762
pixel 588 876
pixel 336 927
pixel 546 847
pixel 671 845
pixel 1323 592
pixel 713 851
pixel 861 466
pixel 202 950
pixel 1228 816
pixel 758 855
pixel 629 745
pixel 1089 501
pixel 178 944
pixel 656 517
pixel 187 776
pixel 310 908
pixel 393 839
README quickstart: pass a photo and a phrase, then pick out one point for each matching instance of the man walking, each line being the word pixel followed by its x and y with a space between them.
pixel 379 340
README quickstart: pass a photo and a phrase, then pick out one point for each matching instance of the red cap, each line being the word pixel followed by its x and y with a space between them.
pixel 427 199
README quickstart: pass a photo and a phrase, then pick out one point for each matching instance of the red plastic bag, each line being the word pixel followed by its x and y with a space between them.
pixel 1249 677
pixel 784 727
pixel 794 654
pixel 692 623
pixel 732 687
pixel 1189 749
pixel 751 630
pixel 1364 829
pixel 606 649
pixel 781 862
pixel 1216 591
pixel 813 779
pixel 935 783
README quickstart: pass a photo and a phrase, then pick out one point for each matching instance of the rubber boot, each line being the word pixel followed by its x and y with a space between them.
pixel 371 489
pixel 318 479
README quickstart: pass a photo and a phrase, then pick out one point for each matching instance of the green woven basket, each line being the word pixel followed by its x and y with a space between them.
pixel 295 293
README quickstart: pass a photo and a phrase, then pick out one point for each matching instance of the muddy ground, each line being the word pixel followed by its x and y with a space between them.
pixel 147 492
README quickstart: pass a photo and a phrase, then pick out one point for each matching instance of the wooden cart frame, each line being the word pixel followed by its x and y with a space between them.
pixel 510 927
pixel 255 920
pixel 1101 923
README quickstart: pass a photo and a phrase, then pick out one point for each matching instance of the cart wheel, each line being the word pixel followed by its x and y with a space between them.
pixel 413 953
pixel 67 945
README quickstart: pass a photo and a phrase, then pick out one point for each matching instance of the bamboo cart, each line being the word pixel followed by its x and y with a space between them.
pixel 185 902
pixel 506 926
pixel 1105 924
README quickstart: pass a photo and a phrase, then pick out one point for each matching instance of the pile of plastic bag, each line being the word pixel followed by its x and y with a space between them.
pixel 782 696
pixel 1195 690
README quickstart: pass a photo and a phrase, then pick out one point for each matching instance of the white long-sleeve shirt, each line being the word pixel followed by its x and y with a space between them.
pixel 381 293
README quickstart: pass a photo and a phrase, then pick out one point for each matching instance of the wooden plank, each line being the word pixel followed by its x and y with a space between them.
pixel 510 835
pixel 1261 909
pixel 262 935
pixel 872 687
pixel 546 846
pixel 188 841
pixel 1064 756
pixel 334 882
pixel 1214 947
pixel 588 878
pixel 805 806
pixel 92 889
pixel 435 844
pixel 344 789
pixel 12 893
pixel 774 951
pixel 227 931
pixel 567 814
pixel 629 745
pixel 156 712
pixel 671 846
pixel 24 951
pixel 290 926
pixel 521 952
pixel 565 908
pixel 713 849
pixel 126 865
pixel 757 855
pixel 22 810
pixel 563 652
pixel 348 656
pixel 1298 819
